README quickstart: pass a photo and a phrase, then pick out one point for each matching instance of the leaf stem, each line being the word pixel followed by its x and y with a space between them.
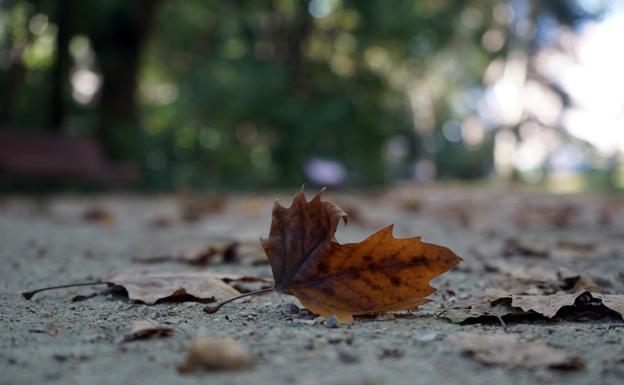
pixel 29 294
pixel 215 308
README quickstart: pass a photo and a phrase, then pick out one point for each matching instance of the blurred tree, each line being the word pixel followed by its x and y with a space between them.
pixel 247 93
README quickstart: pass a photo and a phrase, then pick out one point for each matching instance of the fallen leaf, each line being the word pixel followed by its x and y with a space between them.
pixel 47 328
pixel 379 274
pixel 150 287
pixel 482 313
pixel 567 249
pixel 143 329
pixel 82 297
pixel 199 254
pixel 559 216
pixel 512 247
pixel 249 253
pixel 613 302
pixel 532 278
pixel 456 212
pixel 207 351
pixel 506 350
pixel 547 306
pixel 585 247
pixel 572 281
pixel 161 221
pixel 412 204
pixel 243 252
pixel 194 207
pixel 99 215
pixel 523 277
pixel 194 255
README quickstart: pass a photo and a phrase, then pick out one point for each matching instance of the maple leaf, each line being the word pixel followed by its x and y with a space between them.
pixel 505 349
pixel 378 274
pixel 210 352
pixel 143 329
pixel 150 287
pixel 500 305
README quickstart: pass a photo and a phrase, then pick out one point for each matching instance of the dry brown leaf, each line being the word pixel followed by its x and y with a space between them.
pixel 162 221
pixel 548 306
pixel 513 247
pixel 379 274
pixel 209 352
pixel 573 282
pixel 613 302
pixel 249 253
pixel 243 252
pixel 150 287
pixel 527 277
pixel 193 255
pixel 47 328
pixel 559 215
pixel 506 350
pixel 194 207
pixel 143 329
pixel 99 215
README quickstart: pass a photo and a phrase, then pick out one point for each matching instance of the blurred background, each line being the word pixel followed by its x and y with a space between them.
pixel 167 94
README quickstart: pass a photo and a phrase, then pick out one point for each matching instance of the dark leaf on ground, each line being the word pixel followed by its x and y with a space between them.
pixel 507 350
pixel 143 329
pixel 209 352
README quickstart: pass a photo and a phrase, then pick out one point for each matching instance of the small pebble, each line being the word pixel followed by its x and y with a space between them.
pixel 305 314
pixel 332 322
pixel 425 336
pixel 305 322
pixel 390 353
pixel 289 309
pixel 247 314
pixel 347 355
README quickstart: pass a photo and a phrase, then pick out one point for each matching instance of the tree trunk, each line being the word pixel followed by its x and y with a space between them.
pixel 119 50
pixel 60 72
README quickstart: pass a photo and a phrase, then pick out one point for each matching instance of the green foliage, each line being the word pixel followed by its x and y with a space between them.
pixel 244 93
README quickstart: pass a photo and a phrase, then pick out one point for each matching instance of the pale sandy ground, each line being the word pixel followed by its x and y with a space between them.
pixel 45 241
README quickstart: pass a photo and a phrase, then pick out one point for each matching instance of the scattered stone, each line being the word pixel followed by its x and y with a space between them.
pixel 47 328
pixel 209 352
pixel 289 309
pixel 248 314
pixel 334 339
pixel 305 314
pixel 332 322
pixel 347 354
pixel 305 322
pixel 426 336
pixel 391 353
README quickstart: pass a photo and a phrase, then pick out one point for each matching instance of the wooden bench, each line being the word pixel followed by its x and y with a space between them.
pixel 61 158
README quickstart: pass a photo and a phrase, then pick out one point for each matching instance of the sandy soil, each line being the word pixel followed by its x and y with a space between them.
pixel 46 241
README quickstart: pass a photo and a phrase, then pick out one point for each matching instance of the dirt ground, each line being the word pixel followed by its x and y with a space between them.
pixel 503 235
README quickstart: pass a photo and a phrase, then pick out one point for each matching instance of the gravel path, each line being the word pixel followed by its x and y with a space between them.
pixel 51 340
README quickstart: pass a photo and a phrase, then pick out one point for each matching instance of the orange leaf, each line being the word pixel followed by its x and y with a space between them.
pixel 378 274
